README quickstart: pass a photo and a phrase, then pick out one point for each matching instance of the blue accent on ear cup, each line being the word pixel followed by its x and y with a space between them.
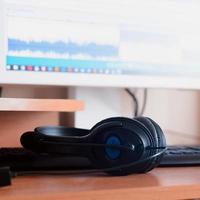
pixel 110 152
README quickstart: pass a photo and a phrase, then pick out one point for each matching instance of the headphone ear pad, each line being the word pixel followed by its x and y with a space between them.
pixel 158 140
pixel 141 133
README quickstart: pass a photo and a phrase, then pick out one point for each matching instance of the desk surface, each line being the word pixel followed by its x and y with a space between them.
pixel 160 183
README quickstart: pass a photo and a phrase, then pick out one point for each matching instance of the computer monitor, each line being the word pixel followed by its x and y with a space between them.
pixel 129 43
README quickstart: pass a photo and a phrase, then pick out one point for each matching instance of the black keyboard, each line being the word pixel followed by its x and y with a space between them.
pixel 20 159
pixel 181 156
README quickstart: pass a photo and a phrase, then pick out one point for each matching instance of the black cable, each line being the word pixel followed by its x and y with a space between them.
pixel 1 91
pixel 94 170
pixel 144 102
pixel 135 101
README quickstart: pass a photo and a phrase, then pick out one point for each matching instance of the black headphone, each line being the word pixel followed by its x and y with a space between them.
pixel 118 146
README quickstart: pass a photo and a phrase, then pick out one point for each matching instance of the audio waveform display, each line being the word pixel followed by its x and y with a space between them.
pixel 60 47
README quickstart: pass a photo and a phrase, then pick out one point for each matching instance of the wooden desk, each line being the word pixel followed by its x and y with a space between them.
pixel 48 105
pixel 161 183
pixel 18 115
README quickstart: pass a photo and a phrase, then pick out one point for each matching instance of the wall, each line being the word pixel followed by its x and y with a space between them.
pixel 177 111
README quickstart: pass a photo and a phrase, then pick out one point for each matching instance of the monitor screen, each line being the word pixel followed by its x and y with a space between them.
pixel 146 43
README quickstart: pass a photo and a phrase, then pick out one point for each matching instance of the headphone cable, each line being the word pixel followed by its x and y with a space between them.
pixel 95 170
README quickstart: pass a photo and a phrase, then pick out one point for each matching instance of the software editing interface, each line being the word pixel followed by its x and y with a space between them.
pixel 103 37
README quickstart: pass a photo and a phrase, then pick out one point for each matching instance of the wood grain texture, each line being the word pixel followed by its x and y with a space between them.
pixel 160 183
pixel 13 124
pixel 56 105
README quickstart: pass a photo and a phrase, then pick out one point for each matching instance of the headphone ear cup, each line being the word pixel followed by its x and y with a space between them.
pixel 117 131
pixel 29 141
pixel 138 133
pixel 158 140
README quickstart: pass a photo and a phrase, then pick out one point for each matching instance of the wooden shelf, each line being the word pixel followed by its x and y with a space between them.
pixel 160 183
pixel 55 105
